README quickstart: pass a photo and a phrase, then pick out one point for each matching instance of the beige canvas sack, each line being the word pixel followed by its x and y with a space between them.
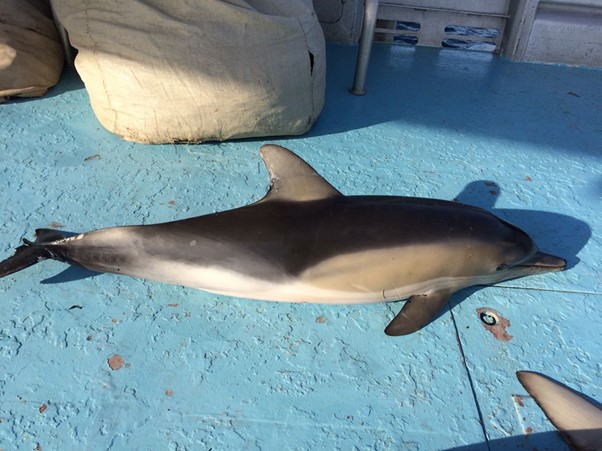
pixel 161 71
pixel 31 57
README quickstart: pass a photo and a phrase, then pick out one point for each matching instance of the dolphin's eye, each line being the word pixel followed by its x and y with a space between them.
pixel 502 267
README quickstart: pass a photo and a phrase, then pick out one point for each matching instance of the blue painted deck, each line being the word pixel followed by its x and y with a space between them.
pixel 202 371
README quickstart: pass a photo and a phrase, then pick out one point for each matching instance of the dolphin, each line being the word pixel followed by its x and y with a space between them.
pixel 307 242
pixel 578 419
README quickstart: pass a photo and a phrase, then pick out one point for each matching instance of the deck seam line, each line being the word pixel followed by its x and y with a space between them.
pixel 470 381
pixel 549 290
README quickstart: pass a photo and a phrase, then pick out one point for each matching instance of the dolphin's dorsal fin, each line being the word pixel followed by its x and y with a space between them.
pixel 292 179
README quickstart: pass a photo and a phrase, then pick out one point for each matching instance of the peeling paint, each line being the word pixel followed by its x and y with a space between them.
pixel 499 325
pixel 518 399
pixel 115 362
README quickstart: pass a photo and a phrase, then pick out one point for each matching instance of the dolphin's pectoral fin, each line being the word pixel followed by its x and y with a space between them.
pixel 417 312
pixel 292 179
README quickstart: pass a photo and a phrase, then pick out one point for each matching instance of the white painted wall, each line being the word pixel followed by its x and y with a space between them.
pixel 555 31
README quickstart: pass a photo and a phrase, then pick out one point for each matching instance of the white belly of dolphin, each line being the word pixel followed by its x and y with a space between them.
pixel 230 283
pixel 365 277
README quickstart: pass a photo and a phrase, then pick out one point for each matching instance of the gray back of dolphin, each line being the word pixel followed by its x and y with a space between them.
pixel 305 241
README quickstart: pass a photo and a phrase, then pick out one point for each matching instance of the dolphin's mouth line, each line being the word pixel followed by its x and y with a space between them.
pixel 542 261
pixel 559 267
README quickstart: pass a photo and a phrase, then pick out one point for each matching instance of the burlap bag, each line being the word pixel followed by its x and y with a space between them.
pixel 196 70
pixel 31 57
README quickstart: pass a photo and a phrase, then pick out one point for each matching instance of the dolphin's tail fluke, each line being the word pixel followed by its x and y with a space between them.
pixel 31 252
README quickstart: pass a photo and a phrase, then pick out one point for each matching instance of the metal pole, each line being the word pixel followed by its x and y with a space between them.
pixel 363 54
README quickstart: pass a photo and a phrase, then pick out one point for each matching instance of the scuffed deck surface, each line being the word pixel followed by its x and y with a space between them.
pixel 202 371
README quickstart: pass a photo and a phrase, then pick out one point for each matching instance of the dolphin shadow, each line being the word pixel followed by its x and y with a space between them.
pixel 540 440
pixel 71 274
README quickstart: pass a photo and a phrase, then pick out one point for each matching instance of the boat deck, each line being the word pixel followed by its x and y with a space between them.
pixel 111 362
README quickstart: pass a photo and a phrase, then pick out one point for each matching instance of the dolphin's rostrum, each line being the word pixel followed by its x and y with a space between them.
pixel 306 242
